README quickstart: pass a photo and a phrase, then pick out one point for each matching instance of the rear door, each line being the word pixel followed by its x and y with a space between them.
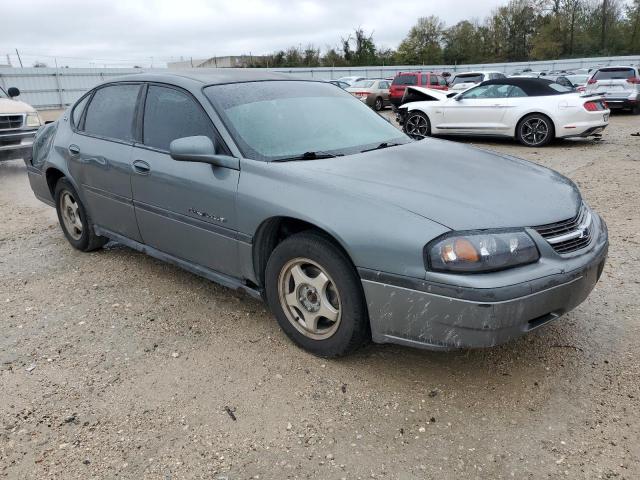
pixel 185 209
pixel 99 153
pixel 480 110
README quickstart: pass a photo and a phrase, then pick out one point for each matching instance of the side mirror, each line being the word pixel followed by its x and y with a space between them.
pixel 457 98
pixel 13 92
pixel 200 149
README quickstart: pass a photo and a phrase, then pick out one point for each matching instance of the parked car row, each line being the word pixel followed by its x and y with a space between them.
pixel 619 85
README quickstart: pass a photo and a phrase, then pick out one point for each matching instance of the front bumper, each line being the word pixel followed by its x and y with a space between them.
pixel 419 314
pixel 16 144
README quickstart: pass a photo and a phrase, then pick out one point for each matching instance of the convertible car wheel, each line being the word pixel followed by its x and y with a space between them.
pixel 316 296
pixel 76 224
pixel 417 125
pixel 535 130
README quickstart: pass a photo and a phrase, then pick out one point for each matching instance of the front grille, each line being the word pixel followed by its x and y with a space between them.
pixel 9 122
pixel 568 235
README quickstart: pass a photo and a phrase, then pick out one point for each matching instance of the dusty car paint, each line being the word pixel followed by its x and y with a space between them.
pixel 398 199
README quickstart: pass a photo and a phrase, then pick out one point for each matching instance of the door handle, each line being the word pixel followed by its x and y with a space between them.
pixel 74 149
pixel 141 167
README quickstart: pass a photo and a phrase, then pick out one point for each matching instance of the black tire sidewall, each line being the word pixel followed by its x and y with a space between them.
pixel 377 102
pixel 82 243
pixel 354 325
pixel 550 137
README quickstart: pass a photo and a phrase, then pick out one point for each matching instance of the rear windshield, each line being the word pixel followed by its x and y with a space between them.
pixel 363 84
pixel 560 88
pixel 614 74
pixel 405 80
pixel 473 78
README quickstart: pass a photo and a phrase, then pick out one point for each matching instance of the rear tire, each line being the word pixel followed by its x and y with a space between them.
pixel 379 104
pixel 535 130
pixel 417 125
pixel 316 295
pixel 74 219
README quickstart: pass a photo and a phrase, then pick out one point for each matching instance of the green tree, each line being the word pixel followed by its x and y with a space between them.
pixel 423 43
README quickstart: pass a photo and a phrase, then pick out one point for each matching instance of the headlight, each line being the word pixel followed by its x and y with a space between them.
pixel 33 119
pixel 480 251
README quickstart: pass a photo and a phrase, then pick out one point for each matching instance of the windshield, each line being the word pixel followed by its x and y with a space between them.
pixel 273 120
pixel 614 74
pixel 3 94
pixel 475 78
pixel 363 84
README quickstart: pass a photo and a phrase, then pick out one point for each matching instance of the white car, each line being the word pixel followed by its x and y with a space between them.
pixel 465 80
pixel 532 110
pixel 620 86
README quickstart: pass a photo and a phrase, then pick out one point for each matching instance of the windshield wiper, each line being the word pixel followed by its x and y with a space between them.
pixel 317 155
pixel 381 146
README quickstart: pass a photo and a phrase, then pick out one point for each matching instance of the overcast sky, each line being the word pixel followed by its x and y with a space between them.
pixel 119 31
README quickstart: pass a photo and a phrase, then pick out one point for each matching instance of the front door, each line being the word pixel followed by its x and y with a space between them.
pixel 99 153
pixel 185 209
pixel 479 110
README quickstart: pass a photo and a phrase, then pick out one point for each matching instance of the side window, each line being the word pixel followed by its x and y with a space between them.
pixel 517 92
pixel 433 80
pixel 111 112
pixel 383 85
pixel 424 79
pixel 443 81
pixel 489 91
pixel 76 114
pixel 170 114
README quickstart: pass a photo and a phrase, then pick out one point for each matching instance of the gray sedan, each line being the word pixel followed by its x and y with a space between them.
pixel 297 193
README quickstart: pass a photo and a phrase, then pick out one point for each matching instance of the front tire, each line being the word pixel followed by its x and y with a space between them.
pixel 316 296
pixel 535 130
pixel 74 219
pixel 417 125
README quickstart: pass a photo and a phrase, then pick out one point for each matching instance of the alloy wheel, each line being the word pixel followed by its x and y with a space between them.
pixel 534 131
pixel 309 298
pixel 71 215
pixel 417 127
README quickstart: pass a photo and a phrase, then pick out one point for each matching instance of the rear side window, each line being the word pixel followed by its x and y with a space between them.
pixel 614 74
pixel 425 79
pixel 76 114
pixel 170 114
pixel 405 80
pixel 434 80
pixel 111 112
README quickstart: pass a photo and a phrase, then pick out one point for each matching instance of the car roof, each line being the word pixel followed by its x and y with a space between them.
pixel 205 76
pixel 533 87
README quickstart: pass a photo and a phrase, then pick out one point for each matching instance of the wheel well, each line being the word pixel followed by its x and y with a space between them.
pixel 272 232
pixel 52 176
pixel 536 113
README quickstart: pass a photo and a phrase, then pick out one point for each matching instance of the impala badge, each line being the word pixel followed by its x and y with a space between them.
pixel 207 215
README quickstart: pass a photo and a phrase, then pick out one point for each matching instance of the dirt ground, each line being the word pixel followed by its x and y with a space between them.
pixel 115 365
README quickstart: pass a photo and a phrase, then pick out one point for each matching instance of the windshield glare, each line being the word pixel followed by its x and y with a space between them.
pixel 274 120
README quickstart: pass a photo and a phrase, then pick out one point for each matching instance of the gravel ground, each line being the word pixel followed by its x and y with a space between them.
pixel 115 365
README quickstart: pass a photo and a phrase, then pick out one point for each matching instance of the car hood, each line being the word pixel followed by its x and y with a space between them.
pixel 14 106
pixel 458 186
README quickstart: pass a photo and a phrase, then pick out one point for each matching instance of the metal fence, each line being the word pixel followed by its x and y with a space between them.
pixel 57 88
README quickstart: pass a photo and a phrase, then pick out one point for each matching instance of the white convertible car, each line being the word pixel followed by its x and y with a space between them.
pixel 532 110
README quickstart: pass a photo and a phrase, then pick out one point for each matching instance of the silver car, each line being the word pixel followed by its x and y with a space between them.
pixel 619 85
pixel 372 91
pixel 297 193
